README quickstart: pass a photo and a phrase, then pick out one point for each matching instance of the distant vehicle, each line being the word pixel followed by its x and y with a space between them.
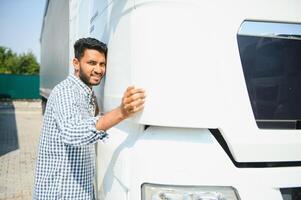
pixel 223 82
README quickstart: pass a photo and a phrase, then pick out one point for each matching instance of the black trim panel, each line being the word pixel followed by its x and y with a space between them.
pixel 218 136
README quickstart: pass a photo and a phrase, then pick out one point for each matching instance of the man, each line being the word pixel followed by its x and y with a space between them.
pixel 65 164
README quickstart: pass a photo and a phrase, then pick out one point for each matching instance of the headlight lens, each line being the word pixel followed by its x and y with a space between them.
pixel 166 192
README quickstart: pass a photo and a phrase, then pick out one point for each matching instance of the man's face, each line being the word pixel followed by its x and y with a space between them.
pixel 91 67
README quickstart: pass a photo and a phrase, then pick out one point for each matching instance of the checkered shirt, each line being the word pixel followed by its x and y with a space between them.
pixel 66 157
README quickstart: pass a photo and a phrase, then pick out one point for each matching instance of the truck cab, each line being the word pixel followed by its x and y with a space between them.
pixel 222 118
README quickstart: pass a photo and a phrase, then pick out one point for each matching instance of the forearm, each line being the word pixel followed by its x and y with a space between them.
pixel 78 131
pixel 110 119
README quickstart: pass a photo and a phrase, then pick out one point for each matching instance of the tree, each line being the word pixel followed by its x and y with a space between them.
pixel 8 60
pixel 28 64
pixel 11 63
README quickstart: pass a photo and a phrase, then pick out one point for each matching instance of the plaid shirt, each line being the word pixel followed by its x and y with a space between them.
pixel 66 158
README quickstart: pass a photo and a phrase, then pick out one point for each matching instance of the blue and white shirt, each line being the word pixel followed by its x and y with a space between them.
pixel 66 157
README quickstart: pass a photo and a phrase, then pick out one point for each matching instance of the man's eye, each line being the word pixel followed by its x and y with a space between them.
pixel 92 63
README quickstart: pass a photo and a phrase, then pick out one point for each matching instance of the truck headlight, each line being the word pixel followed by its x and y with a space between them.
pixel 167 192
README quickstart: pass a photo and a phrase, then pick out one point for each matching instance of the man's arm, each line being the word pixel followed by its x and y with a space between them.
pixel 75 129
pixel 132 102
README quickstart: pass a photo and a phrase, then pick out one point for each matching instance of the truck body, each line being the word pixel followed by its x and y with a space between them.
pixel 223 83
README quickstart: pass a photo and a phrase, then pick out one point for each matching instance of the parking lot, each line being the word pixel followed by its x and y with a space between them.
pixel 20 124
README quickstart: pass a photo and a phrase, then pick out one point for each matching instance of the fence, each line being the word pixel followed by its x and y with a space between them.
pixel 19 86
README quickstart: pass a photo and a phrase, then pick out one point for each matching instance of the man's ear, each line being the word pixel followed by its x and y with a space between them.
pixel 75 64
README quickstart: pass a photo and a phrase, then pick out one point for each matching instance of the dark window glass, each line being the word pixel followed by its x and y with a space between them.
pixel 291 193
pixel 271 62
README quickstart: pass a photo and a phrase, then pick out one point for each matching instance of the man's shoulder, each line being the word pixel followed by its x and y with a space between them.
pixel 65 86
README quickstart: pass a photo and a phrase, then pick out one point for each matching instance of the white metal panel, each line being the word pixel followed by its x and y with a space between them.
pixel 99 29
pixel 173 60
pixel 118 35
pixel 54 45
pixel 73 23
pixel 80 14
pixel 178 156
pixel 84 15
pixel 99 20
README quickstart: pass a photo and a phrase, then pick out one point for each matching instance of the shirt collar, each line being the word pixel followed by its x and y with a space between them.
pixel 79 83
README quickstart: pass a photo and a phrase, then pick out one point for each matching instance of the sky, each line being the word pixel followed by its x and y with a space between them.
pixel 20 25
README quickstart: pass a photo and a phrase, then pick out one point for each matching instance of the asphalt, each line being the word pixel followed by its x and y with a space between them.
pixel 20 125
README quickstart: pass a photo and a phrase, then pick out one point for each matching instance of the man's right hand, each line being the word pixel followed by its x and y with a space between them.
pixel 132 101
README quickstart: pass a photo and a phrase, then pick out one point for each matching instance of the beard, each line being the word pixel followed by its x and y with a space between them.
pixel 87 79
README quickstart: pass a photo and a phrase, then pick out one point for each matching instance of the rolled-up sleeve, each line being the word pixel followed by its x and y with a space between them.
pixel 76 128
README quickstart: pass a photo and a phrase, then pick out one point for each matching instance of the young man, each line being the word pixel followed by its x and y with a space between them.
pixel 66 157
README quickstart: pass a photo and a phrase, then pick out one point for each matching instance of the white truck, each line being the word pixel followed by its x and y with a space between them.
pixel 223 83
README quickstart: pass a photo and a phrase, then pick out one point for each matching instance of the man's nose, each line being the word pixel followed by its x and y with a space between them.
pixel 98 69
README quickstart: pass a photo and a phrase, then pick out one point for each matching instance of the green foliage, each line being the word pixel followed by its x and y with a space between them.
pixel 11 63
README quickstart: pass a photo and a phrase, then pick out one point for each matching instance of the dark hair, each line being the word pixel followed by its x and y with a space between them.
pixel 88 43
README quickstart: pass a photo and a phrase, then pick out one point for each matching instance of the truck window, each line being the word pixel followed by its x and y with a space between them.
pixel 270 54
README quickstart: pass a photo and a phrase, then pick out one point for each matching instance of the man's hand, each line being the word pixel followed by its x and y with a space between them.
pixel 132 101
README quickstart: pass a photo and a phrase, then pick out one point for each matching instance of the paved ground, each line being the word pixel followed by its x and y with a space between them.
pixel 20 124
